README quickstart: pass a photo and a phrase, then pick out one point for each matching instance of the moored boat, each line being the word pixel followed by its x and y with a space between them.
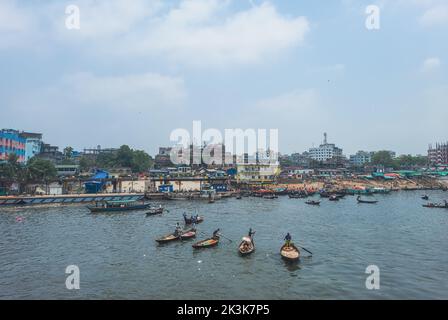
pixel 116 206
pixel 290 253
pixel 425 197
pixel 313 203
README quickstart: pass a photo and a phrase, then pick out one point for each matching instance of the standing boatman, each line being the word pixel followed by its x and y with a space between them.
pixel 288 239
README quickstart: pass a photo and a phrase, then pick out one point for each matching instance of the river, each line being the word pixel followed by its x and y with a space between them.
pixel 118 257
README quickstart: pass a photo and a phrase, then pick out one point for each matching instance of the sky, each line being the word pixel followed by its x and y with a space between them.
pixel 136 70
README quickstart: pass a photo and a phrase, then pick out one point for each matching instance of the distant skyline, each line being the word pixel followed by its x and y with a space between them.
pixel 136 70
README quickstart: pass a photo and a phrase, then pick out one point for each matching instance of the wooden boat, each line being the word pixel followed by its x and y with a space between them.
pixel 290 253
pixel 425 197
pixel 334 198
pixel 168 238
pixel 246 246
pixel 270 196
pixel 154 211
pixel 207 243
pixel 189 221
pixel 366 201
pixel 188 234
pixel 116 206
pixel 239 197
pixel 436 205
pixel 313 203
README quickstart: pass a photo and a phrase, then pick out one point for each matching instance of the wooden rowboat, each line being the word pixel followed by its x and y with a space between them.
pixel 290 253
pixel 189 221
pixel 313 203
pixel 436 205
pixel 188 234
pixel 246 246
pixel 168 238
pixel 154 211
pixel 207 243
pixel 366 201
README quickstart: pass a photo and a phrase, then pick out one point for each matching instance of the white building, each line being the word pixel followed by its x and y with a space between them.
pixel 325 151
pixel 257 172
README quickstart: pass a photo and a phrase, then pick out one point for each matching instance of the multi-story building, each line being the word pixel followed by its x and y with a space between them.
pixel 11 142
pixel 361 158
pixel 438 155
pixel 33 144
pixel 325 151
pixel 253 173
pixel 51 153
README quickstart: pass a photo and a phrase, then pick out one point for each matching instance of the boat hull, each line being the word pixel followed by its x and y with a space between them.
pixel 118 209
pixel 208 243
pixel 291 255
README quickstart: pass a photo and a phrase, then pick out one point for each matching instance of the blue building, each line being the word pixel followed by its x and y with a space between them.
pixel 33 144
pixel 11 142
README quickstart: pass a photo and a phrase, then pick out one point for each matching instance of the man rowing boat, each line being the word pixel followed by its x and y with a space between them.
pixel 288 240
pixel 216 234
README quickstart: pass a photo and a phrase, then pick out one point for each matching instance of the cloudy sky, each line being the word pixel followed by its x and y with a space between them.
pixel 136 70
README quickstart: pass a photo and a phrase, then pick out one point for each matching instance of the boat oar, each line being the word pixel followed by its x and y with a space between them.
pixel 225 237
pixel 305 249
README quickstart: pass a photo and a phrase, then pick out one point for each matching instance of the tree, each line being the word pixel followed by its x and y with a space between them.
pixel 41 170
pixel 382 158
pixel 141 161
pixel 68 152
pixel 125 156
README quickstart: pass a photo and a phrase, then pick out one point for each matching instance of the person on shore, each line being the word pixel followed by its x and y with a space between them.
pixel 216 234
pixel 288 240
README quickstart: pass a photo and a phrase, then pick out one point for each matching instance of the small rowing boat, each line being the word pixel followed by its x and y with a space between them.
pixel 425 197
pixel 154 211
pixel 290 253
pixel 366 201
pixel 117 206
pixel 246 246
pixel 334 198
pixel 207 243
pixel 190 221
pixel 313 203
pixel 188 234
pixel 168 238
pixel 436 205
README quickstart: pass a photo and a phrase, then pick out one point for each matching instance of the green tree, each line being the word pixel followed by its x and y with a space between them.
pixel 141 161
pixel 68 152
pixel 125 156
pixel 383 158
pixel 41 170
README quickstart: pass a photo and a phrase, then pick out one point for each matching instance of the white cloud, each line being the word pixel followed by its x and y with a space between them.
pixel 15 24
pixel 105 19
pixel 430 64
pixel 435 16
pixel 192 32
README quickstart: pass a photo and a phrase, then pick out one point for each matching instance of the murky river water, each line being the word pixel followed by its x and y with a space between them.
pixel 119 259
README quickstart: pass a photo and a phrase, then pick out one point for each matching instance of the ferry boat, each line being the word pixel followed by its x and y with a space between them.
pixel 114 206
